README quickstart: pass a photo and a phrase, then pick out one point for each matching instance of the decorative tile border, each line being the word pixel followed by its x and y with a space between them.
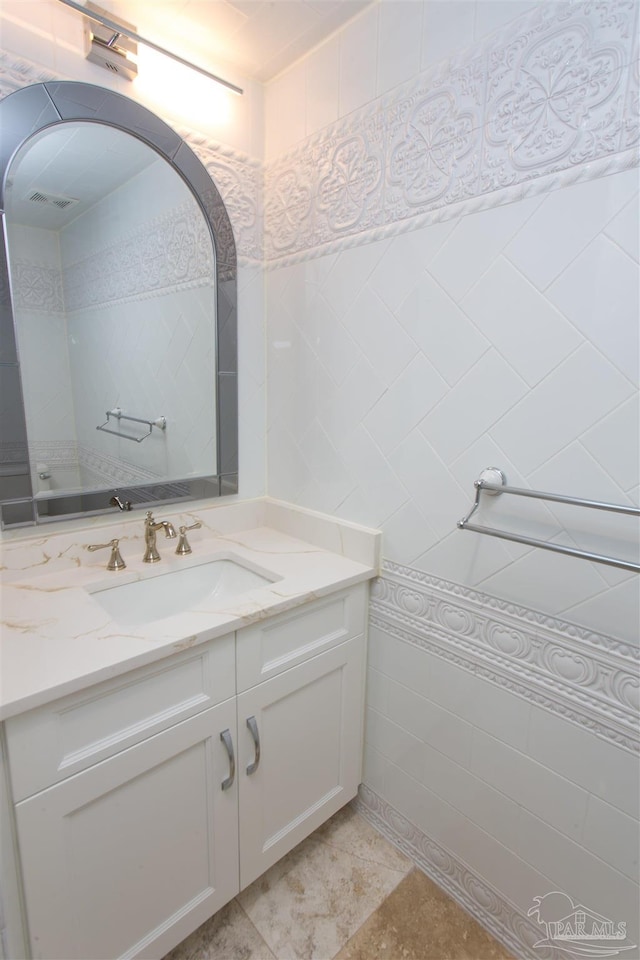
pixel 550 99
pixel 167 253
pixel 587 678
pixel 238 177
pixel 474 894
pixel 13 453
pixel 112 471
pixel 36 287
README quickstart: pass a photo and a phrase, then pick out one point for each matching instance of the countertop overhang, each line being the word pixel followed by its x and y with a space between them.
pixel 57 639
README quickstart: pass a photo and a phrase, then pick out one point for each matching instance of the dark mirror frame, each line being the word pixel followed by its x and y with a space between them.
pixel 25 113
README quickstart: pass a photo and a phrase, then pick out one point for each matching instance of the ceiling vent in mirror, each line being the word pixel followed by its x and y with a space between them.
pixel 49 199
pixel 109 48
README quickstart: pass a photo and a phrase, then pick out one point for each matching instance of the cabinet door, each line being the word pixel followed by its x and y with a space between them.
pixel 127 858
pixel 309 723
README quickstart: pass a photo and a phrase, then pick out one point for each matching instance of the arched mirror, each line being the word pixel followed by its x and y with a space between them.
pixel 118 311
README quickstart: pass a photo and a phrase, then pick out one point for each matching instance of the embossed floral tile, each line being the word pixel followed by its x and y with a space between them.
pixel 556 84
pixel 552 92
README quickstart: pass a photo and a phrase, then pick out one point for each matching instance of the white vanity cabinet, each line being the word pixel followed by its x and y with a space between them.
pixel 132 825
pixel 309 721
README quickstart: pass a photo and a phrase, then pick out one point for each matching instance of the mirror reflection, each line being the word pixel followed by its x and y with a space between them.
pixel 113 285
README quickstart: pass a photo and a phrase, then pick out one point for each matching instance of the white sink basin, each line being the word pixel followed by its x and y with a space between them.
pixel 167 594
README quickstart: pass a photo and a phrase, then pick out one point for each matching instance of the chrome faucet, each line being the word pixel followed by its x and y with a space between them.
pixel 151 527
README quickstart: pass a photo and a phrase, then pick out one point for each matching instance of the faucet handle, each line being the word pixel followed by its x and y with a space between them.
pixel 184 547
pixel 115 560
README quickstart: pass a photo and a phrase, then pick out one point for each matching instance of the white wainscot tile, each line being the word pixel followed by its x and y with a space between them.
pixel 475 243
pixel 432 488
pixel 545 580
pixel 394 743
pixel 600 767
pixel 576 473
pixel 380 488
pixel 328 339
pixel 579 874
pixel 348 277
pixel 341 409
pixel 623 229
pixel 287 472
pixel 614 612
pixel 376 770
pixel 465 558
pixel 429 239
pixel 544 792
pixel 612 836
pixel 575 396
pixel 323 86
pixel 599 293
pixel 399 269
pixel 376 690
pixel 473 405
pixel 491 15
pixel 359 61
pixel 407 534
pixel 440 328
pixel 472 796
pixel 286 111
pixel 293 380
pixel 447 28
pixel 326 467
pixel 380 337
pixel 410 398
pixel 427 721
pixel 615 443
pixel 568 220
pixel 399 40
pixel 520 323
pixel 482 853
pixel 483 704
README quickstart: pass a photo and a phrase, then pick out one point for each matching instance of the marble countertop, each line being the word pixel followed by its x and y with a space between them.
pixel 57 638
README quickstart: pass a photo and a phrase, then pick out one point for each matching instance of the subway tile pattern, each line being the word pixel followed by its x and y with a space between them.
pixel 521 112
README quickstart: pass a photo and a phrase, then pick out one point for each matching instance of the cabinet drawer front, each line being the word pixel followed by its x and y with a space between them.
pixel 52 743
pixel 266 649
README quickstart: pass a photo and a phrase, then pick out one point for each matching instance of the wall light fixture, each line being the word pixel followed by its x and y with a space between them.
pixel 110 50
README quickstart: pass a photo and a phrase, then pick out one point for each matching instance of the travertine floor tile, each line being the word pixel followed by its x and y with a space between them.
pixel 418 921
pixel 228 935
pixel 308 905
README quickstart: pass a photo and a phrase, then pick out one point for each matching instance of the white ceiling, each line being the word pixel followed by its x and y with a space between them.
pixel 259 37
pixel 76 161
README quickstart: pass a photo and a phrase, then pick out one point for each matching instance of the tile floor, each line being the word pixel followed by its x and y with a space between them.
pixel 344 893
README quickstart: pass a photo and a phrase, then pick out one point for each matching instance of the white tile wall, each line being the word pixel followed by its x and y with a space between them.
pixel 506 337
pixel 398 370
pixel 466 359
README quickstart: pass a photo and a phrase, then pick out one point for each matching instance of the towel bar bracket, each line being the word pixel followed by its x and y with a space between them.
pixel 493 481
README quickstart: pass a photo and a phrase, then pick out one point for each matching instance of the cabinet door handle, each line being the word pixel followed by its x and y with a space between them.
pixel 225 736
pixel 253 728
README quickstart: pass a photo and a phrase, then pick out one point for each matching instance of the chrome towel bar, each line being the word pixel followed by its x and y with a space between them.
pixel 117 414
pixel 493 481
